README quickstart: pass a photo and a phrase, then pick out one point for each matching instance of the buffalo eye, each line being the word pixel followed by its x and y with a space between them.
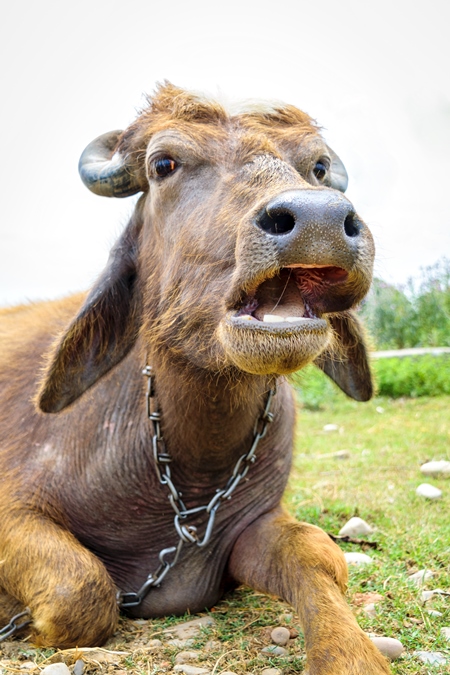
pixel 320 170
pixel 164 166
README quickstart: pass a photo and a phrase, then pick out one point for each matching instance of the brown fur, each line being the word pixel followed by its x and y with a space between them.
pixel 82 513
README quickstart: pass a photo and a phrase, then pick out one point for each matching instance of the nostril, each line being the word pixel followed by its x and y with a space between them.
pixel 279 223
pixel 351 225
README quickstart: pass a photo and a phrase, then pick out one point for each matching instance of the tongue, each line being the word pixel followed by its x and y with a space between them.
pixel 279 297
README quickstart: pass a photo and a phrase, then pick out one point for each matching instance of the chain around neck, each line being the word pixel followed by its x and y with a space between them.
pixel 188 534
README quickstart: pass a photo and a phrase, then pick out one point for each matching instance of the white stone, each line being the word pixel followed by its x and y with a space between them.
pixel 189 629
pixel 153 644
pixel 432 658
pixel 354 527
pixel 379 409
pixel 439 467
pixel 56 669
pixel 420 577
pixel 331 427
pixel 427 595
pixel 389 647
pixel 270 671
pixel 280 636
pixel 274 650
pixel 370 610
pixel 186 656
pixel 434 612
pixel 428 491
pixel 176 642
pixel 354 558
pixel 190 670
pixel 446 632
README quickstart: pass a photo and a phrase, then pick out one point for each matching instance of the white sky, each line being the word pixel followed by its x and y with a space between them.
pixel 376 75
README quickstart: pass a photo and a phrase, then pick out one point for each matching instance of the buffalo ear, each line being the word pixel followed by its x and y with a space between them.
pixel 348 364
pixel 102 333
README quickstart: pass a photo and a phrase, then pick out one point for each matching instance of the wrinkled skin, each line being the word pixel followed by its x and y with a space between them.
pixel 187 289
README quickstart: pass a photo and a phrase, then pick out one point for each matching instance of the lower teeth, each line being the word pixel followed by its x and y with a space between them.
pixel 275 318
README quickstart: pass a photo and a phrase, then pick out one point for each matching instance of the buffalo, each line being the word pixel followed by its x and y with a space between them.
pixel 147 427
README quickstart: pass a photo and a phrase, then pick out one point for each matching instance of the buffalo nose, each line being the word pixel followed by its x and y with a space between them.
pixel 313 227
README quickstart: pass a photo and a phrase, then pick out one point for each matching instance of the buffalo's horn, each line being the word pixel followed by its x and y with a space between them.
pixel 105 172
pixel 337 175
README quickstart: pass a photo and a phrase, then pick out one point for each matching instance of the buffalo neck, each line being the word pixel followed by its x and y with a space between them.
pixel 207 419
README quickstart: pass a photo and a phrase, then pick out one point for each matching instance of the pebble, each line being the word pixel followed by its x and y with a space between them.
pixel 280 636
pixel 153 644
pixel 27 665
pixel 56 669
pixel 446 632
pixel 354 527
pixel 355 558
pixel 434 612
pixel 370 610
pixel 420 577
pixel 227 672
pixel 439 468
pixel 78 667
pixel 331 427
pixel 379 409
pixel 428 491
pixel 389 647
pixel 190 670
pixel 433 658
pixel 176 642
pixel 273 650
pixel 212 645
pixel 189 629
pixel 270 671
pixel 184 657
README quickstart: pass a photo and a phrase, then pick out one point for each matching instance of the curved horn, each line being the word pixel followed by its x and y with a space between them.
pixel 105 172
pixel 337 176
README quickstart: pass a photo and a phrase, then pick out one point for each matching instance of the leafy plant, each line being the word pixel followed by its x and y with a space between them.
pixel 417 315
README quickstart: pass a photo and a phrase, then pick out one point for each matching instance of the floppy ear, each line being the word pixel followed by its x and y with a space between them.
pixel 348 365
pixel 103 332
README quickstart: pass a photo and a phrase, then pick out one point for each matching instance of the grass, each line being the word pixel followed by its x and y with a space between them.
pixel 386 441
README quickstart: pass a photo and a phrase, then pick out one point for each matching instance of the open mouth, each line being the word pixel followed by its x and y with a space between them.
pixel 292 298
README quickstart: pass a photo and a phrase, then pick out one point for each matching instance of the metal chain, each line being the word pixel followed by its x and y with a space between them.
pixel 188 534
pixel 12 627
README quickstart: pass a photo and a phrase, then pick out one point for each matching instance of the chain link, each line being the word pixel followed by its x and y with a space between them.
pixel 12 627
pixel 188 534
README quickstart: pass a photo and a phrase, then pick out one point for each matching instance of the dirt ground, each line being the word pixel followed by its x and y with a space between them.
pixel 237 631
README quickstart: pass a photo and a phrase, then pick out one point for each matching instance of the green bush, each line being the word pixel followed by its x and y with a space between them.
pixel 409 376
pixel 413 376
pixel 417 315
pixel 313 387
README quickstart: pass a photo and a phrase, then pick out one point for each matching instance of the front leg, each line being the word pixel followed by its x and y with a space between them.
pixel 301 564
pixel 70 595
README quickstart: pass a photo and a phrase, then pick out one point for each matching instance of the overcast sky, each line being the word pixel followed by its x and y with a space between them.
pixel 375 75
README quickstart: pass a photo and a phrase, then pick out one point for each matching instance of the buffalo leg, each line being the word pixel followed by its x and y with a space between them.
pixel 70 595
pixel 301 564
